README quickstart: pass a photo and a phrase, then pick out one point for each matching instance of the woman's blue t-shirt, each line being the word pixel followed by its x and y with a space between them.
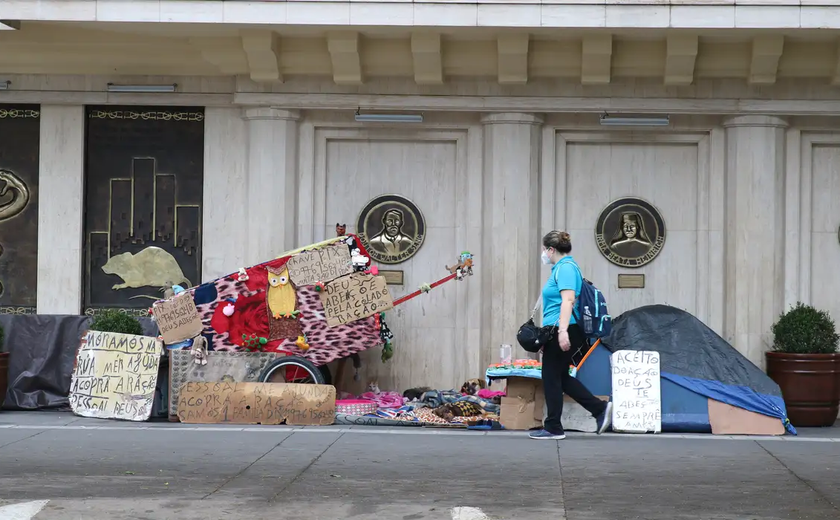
pixel 564 275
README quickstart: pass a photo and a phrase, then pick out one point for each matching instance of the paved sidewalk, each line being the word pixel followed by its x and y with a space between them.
pixel 100 469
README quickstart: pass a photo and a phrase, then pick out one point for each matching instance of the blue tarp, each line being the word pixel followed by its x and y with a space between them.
pixel 695 358
pixel 683 411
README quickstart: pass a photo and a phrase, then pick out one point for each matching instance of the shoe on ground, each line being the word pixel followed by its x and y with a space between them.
pixel 604 420
pixel 543 435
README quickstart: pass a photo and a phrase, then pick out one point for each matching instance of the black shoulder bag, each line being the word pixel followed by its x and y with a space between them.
pixel 531 337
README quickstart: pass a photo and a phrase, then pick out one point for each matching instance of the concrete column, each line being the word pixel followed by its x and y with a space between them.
pixel 510 259
pixel 225 214
pixel 61 209
pixel 272 181
pixel 755 241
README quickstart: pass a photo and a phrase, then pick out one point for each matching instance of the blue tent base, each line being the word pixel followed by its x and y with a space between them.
pixel 685 405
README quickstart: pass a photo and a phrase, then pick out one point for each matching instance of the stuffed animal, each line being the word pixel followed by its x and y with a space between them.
pixel 463 267
pixel 467 262
pixel 359 261
pixel 302 343
pixel 199 350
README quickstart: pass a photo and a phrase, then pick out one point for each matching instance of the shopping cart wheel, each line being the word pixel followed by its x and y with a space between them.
pixel 292 369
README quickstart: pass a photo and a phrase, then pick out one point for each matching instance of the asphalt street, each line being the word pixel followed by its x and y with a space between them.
pixel 99 469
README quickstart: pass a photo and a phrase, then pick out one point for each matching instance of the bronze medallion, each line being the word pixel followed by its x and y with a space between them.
pixel 630 232
pixel 391 228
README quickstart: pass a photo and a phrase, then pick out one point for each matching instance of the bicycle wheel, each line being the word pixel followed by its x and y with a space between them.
pixel 292 369
pixel 325 371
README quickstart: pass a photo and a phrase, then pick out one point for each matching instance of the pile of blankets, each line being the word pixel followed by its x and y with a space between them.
pixel 472 404
pixel 436 398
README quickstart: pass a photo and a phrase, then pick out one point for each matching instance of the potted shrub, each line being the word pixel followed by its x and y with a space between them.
pixel 4 369
pixel 115 321
pixel 805 364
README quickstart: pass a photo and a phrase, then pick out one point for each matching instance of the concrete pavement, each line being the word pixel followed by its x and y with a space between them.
pixel 98 469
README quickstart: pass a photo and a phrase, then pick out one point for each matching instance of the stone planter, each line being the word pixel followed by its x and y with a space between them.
pixel 810 385
pixel 4 376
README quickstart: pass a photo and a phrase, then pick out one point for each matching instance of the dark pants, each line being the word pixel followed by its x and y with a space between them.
pixel 556 380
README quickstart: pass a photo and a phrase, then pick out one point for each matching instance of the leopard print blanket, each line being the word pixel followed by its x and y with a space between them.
pixel 249 317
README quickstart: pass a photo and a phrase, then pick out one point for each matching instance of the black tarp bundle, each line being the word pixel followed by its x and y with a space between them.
pixel 42 349
pixel 693 356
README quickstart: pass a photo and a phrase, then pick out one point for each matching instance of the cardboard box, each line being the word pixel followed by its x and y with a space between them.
pixel 540 410
pixel 523 387
pixel 517 414
pixel 522 407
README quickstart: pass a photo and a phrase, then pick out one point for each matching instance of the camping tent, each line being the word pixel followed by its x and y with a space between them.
pixel 706 385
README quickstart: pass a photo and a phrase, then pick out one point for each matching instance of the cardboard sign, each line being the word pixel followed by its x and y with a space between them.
pixel 320 265
pixel 177 318
pixel 355 297
pixel 637 402
pixel 115 376
pixel 239 367
pixel 257 403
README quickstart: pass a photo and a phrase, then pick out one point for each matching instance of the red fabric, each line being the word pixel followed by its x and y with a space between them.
pixel 249 317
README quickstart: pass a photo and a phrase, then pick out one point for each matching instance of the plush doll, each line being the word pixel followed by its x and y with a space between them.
pixel 359 261
pixel 199 350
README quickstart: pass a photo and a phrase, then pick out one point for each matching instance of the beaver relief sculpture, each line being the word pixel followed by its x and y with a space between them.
pixel 151 267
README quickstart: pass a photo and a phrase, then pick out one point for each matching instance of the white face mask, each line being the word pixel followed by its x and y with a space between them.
pixel 545 258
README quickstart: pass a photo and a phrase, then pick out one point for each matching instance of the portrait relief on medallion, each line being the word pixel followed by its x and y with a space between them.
pixel 391 228
pixel 630 232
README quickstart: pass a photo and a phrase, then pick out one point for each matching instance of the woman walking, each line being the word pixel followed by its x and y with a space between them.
pixel 558 296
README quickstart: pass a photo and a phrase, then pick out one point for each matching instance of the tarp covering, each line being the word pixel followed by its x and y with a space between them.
pixel 695 357
pixel 42 349
pixel 683 411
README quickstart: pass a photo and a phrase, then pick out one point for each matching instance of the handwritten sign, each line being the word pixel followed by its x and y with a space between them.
pixel 257 403
pixel 637 402
pixel 115 376
pixel 351 298
pixel 235 367
pixel 320 265
pixel 177 318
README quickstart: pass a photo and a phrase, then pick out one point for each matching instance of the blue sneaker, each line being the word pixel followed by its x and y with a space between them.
pixel 604 420
pixel 543 435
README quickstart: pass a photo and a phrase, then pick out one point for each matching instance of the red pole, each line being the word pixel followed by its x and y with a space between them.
pixel 419 292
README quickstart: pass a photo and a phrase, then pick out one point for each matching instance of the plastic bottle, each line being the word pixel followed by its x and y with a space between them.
pixel 505 352
pixel 587 319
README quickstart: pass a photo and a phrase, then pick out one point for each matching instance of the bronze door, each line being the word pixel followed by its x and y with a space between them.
pixel 144 178
pixel 20 135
